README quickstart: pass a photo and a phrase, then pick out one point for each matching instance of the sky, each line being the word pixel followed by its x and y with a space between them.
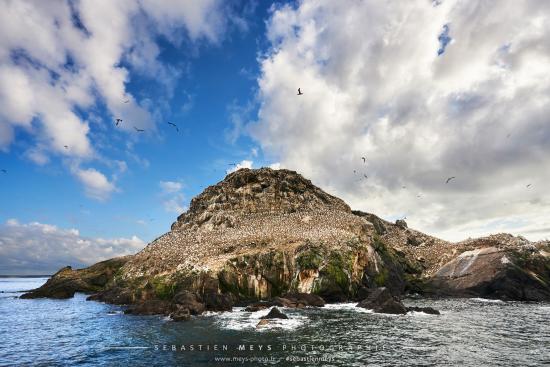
pixel 423 90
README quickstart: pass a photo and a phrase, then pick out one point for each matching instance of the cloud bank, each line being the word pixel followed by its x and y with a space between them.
pixel 424 91
pixel 38 248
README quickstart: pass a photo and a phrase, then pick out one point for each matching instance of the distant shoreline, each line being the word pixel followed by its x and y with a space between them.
pixel 26 276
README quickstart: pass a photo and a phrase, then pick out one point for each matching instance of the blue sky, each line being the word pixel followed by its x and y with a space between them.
pixel 424 90
pixel 215 80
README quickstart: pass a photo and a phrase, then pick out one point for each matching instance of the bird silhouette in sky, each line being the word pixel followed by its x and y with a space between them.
pixel 139 130
pixel 4 171
pixel 174 125
pixel 366 177
pixel 66 146
pixel 118 121
pixel 127 101
pixel 364 159
pixel 300 92
pixel 528 186
pixel 449 179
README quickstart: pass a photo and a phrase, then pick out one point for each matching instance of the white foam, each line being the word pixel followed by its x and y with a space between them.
pixel 248 320
pixel 487 300
pixel 346 307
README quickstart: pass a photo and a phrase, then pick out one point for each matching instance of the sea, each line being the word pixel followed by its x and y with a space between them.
pixel 75 332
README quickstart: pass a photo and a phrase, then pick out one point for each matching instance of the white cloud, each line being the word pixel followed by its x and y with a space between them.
pixel 38 248
pixel 374 86
pixel 97 186
pixel 63 57
pixel 170 186
pixel 243 164
pixel 172 197
pixel 175 204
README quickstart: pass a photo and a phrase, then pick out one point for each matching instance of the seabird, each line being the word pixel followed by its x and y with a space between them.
pixel 300 92
pixel 364 159
pixel 126 101
pixel 66 146
pixel 174 125
pixel 118 121
pixel 449 179
pixel 366 177
pixel 139 130
pixel 528 185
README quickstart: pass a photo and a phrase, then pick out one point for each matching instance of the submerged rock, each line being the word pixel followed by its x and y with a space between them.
pixel 262 323
pixel 181 314
pixel 275 313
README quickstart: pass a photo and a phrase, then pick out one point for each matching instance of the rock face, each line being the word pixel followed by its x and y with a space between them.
pixel 272 235
pixel 517 273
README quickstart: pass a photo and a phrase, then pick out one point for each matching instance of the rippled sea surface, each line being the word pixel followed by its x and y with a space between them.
pixel 474 332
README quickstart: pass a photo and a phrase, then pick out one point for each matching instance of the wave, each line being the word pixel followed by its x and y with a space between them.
pixel 243 320
pixel 487 300
pixel 346 307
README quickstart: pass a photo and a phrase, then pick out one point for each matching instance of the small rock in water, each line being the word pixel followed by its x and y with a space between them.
pixel 262 322
pixel 382 301
pixel 275 314
pixel 181 314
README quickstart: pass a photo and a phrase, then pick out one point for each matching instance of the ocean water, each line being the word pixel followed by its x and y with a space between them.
pixel 74 332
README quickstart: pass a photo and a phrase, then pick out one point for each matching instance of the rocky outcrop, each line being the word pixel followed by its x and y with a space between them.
pixel 507 273
pixel 382 301
pixel 272 235
pixel 66 282
pixel 274 313
pixel 290 300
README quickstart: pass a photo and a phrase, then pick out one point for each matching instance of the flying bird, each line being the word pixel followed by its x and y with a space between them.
pixel 403 187
pixel 118 121
pixel 364 159
pixel 366 177
pixel 174 125
pixel 449 179
pixel 139 130
pixel 66 146
pixel 126 101
pixel 528 185
pixel 4 171
pixel 300 92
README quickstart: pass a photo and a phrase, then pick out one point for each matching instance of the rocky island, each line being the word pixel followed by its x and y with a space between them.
pixel 264 237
